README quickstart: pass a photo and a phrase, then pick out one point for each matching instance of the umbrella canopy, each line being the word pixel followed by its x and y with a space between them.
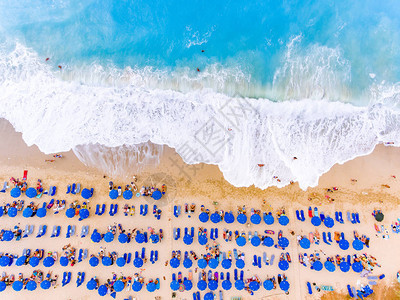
pixel 154 238
pixel 215 218
pixel 316 221
pixel 269 219
pixel 241 218
pixel 94 261
pixel 41 212
pixel 240 263
pixel 239 285
pixel 329 222
pixel 283 265
pixel 64 261
pixel 18 285
pixel 109 237
pixel 317 265
pixel 241 241
pixel 91 285
pixel 209 296
pixel 113 194
pixel 268 241
pixel 201 285
pixel 203 217
pixel 45 284
pixel 305 243
pixel 254 285
pixel 202 239
pixel 95 237
pixel 138 262
pixel 21 260
pixel 8 235
pixel 213 285
pixel 188 284
pixel 174 262
pixel 226 264
pixel 119 286
pixel 1 211
pixel 255 219
pixel 156 195
pixel 139 238
pixel 136 286
pixel 284 285
pixel 5 261
pixel 28 212
pixel 102 290
pixel 31 192
pixel 48 261
pixel 202 263
pixel 358 245
pixel 31 285
pixel 255 241
pixel 70 212
pixel 12 212
pixel 357 267
pixel 344 244
pixel 187 263
pixel 268 285
pixel 283 242
pixel 329 266
pixel 229 218
pixel 106 261
pixel 344 266
pixel 84 213
pixel 127 194
pixel 86 193
pixel 379 216
pixel 34 261
pixel 151 286
pixel 2 286
pixel 213 263
pixel 283 220
pixel 226 285
pixel 120 262
pixel 174 285
pixel 122 238
pixel 15 192
pixel 188 239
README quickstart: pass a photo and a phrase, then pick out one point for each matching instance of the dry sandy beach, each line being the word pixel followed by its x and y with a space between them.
pixel 203 185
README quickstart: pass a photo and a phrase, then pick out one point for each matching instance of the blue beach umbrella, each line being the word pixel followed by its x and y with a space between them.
pixel 119 286
pixel 202 239
pixel 4 261
pixel 358 245
pixel 283 242
pixel 316 221
pixel 15 192
pixel 329 222
pixel 305 243
pixel 268 241
pixel 41 212
pixel 344 266
pixel 284 285
pixel 213 263
pixel 329 266
pixel 121 262
pixel 45 285
pixel 188 239
pixel 357 267
pixel 31 192
pixel 269 219
pixel 201 285
pixel 122 238
pixel 213 285
pixel 203 217
pixel 254 286
pixel 229 218
pixel 202 263
pixel 209 296
pixel 127 194
pixel 138 262
pixel 317 265
pixel 344 244
pixel 48 261
pixel 283 220
pixel 12 212
pixel 156 195
pixel 174 285
pixel 106 261
pixel 64 261
pixel 70 212
pixel 154 238
pixel 109 237
pixel 241 241
pixel 21 260
pixel 34 261
pixel 240 263
pixel 84 213
pixel 174 262
pixel 91 284
pixel 255 241
pixel 86 193
pixel 95 237
pixel 255 219
pixel 102 290
pixel 31 285
pixel 28 212
pixel 187 263
pixel 140 238
pixel 113 194
pixel 8 235
pixel 188 284
pixel 151 287
pixel 94 261
pixel 268 285
pixel 215 218
pixel 136 286
pixel 283 265
pixel 241 218
pixel 239 285
pixel 226 264
pixel 2 286
pixel 226 285
pixel 18 285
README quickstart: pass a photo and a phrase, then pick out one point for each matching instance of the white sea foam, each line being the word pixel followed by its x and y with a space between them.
pixel 58 115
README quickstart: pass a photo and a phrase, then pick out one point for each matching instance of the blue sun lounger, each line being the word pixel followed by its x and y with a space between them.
pixel 78 188
pixel 66 278
pixel 97 209
pixel 68 189
pixel 309 288
pixel 42 231
pixel 73 188
pixel 80 279
pixel 324 238
pixel 56 231
pixel 85 231
pixel 357 218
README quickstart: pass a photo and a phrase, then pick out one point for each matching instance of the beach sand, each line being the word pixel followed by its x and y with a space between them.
pixel 203 185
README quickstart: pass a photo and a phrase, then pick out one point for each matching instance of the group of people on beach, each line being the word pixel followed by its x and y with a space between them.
pixel 37 276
